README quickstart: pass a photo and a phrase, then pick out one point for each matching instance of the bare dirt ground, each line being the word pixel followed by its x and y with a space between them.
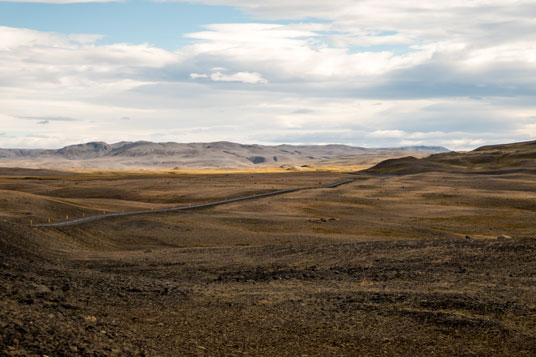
pixel 377 267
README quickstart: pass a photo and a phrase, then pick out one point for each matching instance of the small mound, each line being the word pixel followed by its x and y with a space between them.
pixel 494 159
pixel 406 166
pixel 530 145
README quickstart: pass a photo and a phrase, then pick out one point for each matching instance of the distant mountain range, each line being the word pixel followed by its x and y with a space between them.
pixel 170 155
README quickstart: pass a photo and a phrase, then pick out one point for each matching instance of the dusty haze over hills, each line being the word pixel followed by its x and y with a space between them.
pixel 170 155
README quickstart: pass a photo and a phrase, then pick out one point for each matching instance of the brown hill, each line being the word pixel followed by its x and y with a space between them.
pixel 493 159
pixel 170 155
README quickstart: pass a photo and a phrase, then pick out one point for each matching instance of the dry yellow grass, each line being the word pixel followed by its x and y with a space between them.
pixel 212 171
pixel 380 266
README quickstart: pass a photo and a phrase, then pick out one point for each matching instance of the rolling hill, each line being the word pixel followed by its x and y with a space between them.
pixel 150 155
pixel 493 159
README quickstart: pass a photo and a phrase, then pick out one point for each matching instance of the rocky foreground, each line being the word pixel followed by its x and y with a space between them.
pixel 419 298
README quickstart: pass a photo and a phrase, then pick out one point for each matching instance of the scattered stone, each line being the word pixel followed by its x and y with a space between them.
pixel 468 237
pixel 41 289
pixel 91 319
pixel 503 237
pixel 148 251
pixel 68 306
pixel 320 220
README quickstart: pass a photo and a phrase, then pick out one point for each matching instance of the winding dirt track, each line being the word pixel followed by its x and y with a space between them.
pixel 82 220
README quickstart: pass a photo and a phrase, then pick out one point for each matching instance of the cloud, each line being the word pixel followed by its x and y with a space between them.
pixel 372 73
pixel 47 119
pixel 292 52
pixel 244 77
pixel 303 111
pixel 198 75
pixel 86 39
pixel 482 20
pixel 397 134
pixel 470 36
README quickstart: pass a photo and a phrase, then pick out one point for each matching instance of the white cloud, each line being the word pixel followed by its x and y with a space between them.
pixel 244 77
pixel 397 134
pixel 376 73
pixel 11 38
pixel 198 75
pixel 86 39
pixel 477 29
pixel 293 52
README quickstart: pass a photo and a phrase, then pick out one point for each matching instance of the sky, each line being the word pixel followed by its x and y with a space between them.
pixel 372 73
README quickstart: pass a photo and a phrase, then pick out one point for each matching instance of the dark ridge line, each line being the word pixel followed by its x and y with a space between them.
pixel 457 172
pixel 82 220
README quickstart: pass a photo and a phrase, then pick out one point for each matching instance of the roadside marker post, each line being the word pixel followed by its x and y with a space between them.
pixel 31 222
pixel 66 217
pixel 49 220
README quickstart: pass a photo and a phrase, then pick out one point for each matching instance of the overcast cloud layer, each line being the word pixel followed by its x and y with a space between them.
pixel 369 73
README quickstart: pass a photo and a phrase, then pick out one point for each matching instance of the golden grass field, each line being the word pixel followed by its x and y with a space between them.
pixel 380 266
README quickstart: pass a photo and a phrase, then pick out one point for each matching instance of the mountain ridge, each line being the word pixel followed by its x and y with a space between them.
pixel 225 154
pixel 502 158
